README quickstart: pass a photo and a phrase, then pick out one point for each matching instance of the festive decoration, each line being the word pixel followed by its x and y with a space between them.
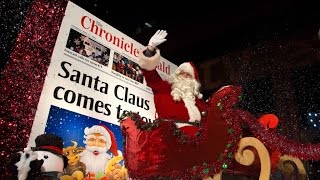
pixel 272 139
pixel 140 143
pixel 45 161
pixel 204 154
pixel 269 121
pixel 23 77
pixel 75 169
pixel 95 159
pixel 115 171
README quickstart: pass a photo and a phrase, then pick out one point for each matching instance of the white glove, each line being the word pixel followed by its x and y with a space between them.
pixel 158 38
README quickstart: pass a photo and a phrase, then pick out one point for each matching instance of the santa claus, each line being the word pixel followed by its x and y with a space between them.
pixel 98 140
pixel 178 101
pixel 176 98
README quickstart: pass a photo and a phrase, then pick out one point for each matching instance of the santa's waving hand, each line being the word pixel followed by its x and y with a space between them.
pixel 157 39
pixel 151 52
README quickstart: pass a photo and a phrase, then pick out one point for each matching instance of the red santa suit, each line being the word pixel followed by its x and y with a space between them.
pixel 166 107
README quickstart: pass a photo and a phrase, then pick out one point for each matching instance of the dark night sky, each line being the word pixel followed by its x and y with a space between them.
pixel 195 30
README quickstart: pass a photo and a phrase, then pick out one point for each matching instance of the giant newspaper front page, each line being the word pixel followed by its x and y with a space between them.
pixel 92 79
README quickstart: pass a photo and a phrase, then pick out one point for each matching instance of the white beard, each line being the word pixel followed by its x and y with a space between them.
pixel 186 89
pixel 95 163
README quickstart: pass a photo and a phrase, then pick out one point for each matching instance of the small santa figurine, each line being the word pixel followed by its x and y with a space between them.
pixel 176 98
pixel 98 141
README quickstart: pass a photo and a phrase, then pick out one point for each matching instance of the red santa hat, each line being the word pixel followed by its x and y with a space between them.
pixel 190 68
pixel 107 133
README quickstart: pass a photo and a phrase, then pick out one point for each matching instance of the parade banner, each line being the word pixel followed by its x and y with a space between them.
pixel 93 78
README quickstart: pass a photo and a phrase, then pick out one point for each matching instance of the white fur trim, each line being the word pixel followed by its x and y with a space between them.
pixel 186 67
pixel 223 87
pixel 102 131
pixel 193 111
pixel 148 63
pixel 180 125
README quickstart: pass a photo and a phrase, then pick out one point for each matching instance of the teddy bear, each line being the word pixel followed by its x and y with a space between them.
pixel 118 173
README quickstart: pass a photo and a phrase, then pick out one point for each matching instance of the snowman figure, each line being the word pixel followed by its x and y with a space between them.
pixel 45 161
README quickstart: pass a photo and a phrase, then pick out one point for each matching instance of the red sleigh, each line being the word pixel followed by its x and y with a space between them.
pixel 159 150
